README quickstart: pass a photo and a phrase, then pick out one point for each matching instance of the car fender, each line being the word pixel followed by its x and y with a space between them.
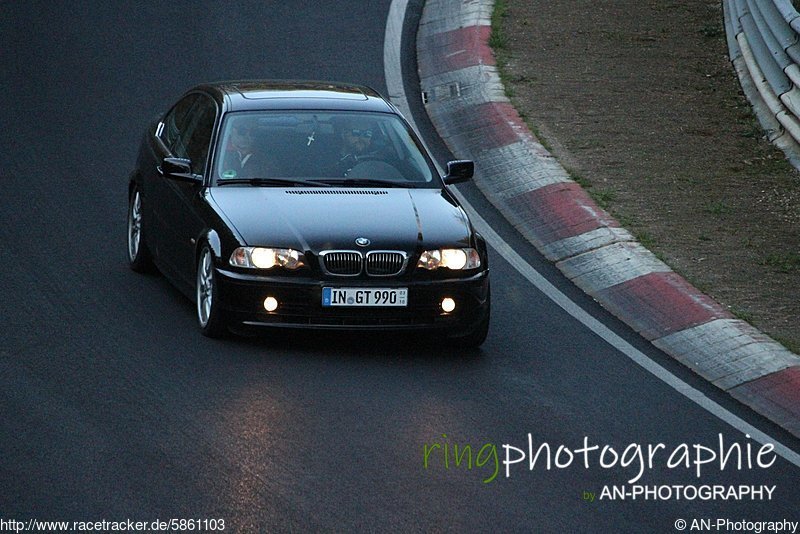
pixel 133 179
pixel 211 237
pixel 480 245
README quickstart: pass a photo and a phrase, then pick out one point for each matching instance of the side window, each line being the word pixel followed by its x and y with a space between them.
pixel 176 121
pixel 196 138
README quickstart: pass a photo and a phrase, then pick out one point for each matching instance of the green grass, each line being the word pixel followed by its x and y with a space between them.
pixel 625 220
pixel 739 313
pixel 547 146
pixel 580 180
pixel 498 39
pixel 645 239
pixel 717 208
pixel 751 129
pixel 786 262
pixel 711 31
pixel 789 344
pixel 508 88
pixel 603 197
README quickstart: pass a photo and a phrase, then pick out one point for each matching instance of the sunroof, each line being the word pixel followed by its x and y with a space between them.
pixel 258 91
pixel 303 93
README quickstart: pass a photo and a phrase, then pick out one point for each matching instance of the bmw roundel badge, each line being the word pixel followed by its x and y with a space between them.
pixel 362 242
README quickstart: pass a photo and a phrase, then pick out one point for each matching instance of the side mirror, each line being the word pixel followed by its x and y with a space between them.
pixel 459 171
pixel 179 169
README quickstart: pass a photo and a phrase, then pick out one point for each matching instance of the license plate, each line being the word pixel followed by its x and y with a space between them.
pixel 359 296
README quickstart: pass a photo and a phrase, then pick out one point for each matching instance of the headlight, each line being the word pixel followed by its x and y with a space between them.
pixel 452 258
pixel 267 258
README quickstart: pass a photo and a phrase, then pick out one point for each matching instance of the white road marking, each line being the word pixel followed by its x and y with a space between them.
pixel 394 84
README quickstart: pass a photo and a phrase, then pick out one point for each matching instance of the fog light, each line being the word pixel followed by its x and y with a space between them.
pixel 448 305
pixel 270 304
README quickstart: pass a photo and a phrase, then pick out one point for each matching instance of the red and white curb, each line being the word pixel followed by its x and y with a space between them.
pixel 467 104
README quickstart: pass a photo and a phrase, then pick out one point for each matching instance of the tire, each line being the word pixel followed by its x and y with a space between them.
pixel 210 316
pixel 477 335
pixel 139 257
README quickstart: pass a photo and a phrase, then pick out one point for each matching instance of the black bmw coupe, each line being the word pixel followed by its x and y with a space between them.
pixel 305 205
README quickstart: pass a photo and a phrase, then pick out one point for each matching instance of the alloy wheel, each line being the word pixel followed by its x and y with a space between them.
pixel 134 226
pixel 205 287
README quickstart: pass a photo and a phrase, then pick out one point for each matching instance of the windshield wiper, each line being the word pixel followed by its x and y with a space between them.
pixel 271 181
pixel 369 182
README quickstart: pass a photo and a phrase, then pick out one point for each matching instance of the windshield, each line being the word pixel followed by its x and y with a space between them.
pixel 328 148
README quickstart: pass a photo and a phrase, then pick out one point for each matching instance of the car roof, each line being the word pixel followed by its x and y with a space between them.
pixel 251 95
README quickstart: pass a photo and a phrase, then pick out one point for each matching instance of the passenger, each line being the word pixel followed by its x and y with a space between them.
pixel 242 158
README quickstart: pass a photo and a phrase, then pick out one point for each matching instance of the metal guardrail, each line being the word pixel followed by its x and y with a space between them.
pixel 764 45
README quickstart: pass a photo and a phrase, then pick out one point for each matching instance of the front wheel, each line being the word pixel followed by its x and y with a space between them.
pixel 139 257
pixel 210 315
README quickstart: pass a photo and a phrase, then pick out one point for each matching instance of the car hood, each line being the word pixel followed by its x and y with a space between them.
pixel 316 219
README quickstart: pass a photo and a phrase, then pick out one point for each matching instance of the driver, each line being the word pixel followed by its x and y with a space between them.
pixel 356 138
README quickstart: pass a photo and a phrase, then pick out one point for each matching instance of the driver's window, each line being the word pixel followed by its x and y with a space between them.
pixel 176 121
pixel 196 138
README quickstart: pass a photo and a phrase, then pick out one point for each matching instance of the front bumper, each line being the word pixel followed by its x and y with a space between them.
pixel 300 303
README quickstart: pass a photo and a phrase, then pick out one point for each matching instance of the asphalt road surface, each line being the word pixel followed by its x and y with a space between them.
pixel 114 407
